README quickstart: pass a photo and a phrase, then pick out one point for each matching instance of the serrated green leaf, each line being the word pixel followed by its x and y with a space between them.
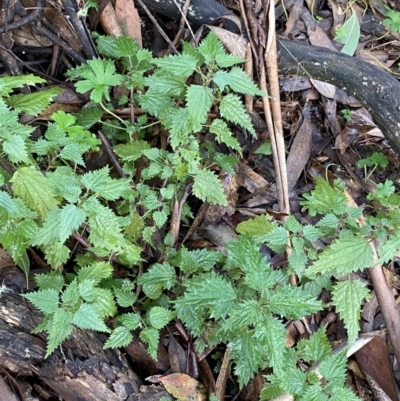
pixel 237 80
pixel 151 337
pixel 224 135
pixel 45 300
pixel 277 239
pixel 246 354
pixel 388 249
pixel 348 297
pixel 293 302
pixel 131 151
pixel 160 317
pixel 155 102
pixel 334 368
pixel 71 217
pixel 70 295
pixel 15 208
pixel 227 60
pixel 9 83
pixel 32 103
pixel 120 337
pixel 33 188
pixel 232 109
pixel 213 292
pixel 208 188
pixel 15 147
pixel 129 320
pixel 316 348
pixel 97 271
pixel 210 47
pixel 63 182
pixel 168 84
pixel 181 65
pixel 199 100
pixel 324 199
pixel 196 261
pixel 87 318
pixel 100 182
pixel 57 254
pixel 124 298
pixel 98 79
pixel 59 328
pixel 158 277
pixel 49 232
pixel 347 254
pixel 53 280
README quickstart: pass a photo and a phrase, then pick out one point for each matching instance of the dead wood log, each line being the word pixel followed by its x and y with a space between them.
pixel 83 371
pixel 373 87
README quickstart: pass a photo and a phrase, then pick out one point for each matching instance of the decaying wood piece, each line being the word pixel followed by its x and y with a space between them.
pixel 373 87
pixel 83 371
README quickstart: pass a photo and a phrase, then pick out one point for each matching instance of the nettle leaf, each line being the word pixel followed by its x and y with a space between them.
pixel 32 103
pixel 157 278
pixel 208 187
pixel 120 337
pixel 97 272
pixel 87 318
pixel 131 151
pixel 125 298
pixel 9 83
pixel 293 302
pixel 237 80
pixel 324 199
pixel 70 219
pixel 98 79
pixel 151 337
pixel 223 134
pixel 15 147
pixel 232 109
pixel 46 300
pixel 277 239
pixel 63 182
pixel 160 317
pixel 100 182
pixel 388 248
pixel 316 348
pixel 129 320
pixel 168 84
pixel 257 228
pixel 227 60
pixel 155 102
pixel 73 152
pixel 49 232
pixel 57 254
pixel 212 292
pixel 181 65
pixel 346 255
pixel 334 368
pixel 348 297
pixel 312 233
pixel 53 280
pixel 59 328
pixel 197 261
pixel 70 296
pixel 210 47
pixel 247 355
pixel 199 100
pixel 104 224
pixel 15 208
pixel 33 188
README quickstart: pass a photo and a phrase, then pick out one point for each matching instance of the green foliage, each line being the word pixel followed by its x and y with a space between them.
pixel 349 34
pixel 392 20
pixel 236 298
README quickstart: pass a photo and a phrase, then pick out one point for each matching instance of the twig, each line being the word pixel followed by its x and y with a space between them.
pixel 184 21
pixel 153 20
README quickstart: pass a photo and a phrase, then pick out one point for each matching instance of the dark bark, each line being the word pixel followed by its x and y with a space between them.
pixel 84 371
pixel 373 87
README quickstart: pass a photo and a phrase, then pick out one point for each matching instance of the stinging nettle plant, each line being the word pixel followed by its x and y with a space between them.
pixel 236 298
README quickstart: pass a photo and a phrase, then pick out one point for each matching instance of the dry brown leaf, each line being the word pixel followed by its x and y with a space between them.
pixel 128 19
pixel 184 387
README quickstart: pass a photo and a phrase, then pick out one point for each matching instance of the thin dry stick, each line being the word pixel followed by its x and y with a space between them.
pixel 271 60
pixel 153 20
pixel 184 21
